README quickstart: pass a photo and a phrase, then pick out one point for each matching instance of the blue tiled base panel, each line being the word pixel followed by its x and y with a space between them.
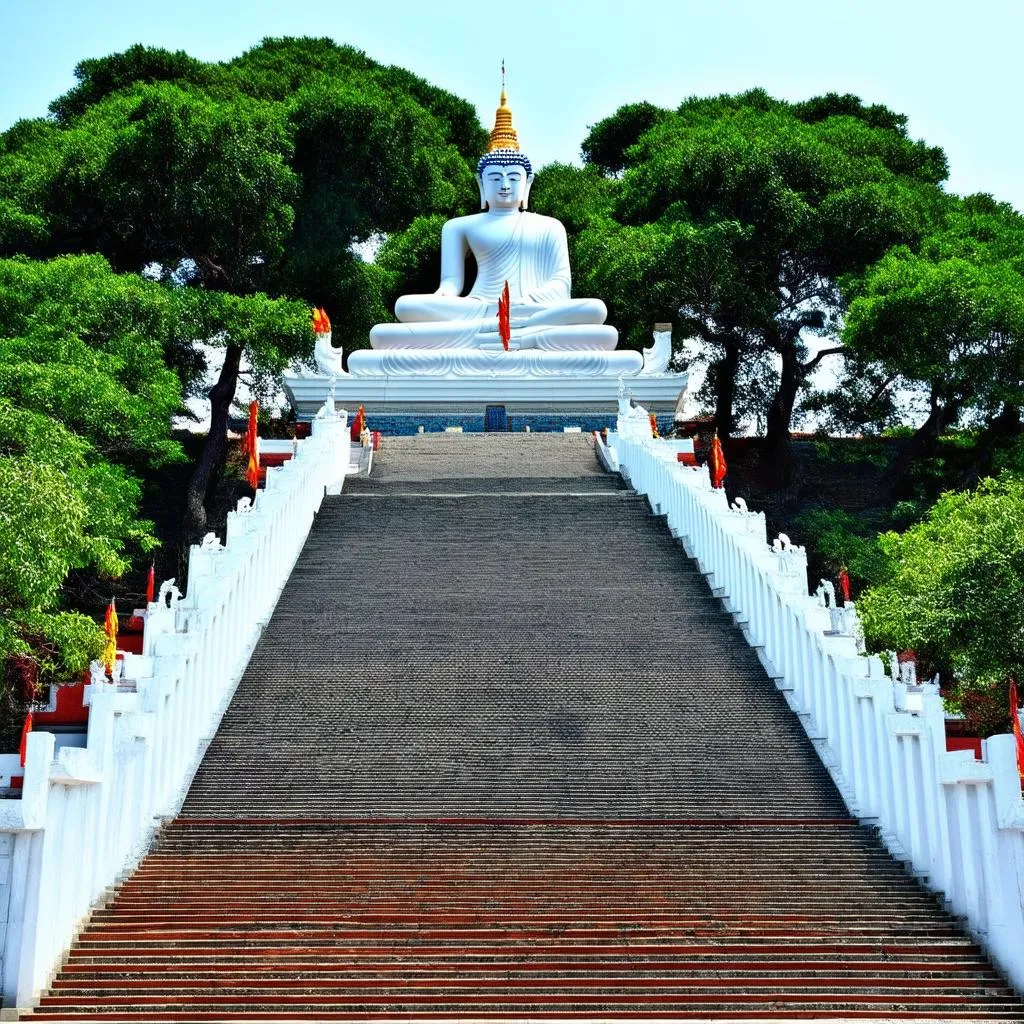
pixel 402 424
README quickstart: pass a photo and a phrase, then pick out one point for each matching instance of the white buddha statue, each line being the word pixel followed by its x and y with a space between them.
pixel 450 334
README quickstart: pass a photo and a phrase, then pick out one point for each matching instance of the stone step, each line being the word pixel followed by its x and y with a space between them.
pixel 503 756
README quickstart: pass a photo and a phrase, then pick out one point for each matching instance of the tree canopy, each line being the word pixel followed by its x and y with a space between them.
pixel 254 176
pixel 954 590
pixel 737 217
pixel 947 317
pixel 86 398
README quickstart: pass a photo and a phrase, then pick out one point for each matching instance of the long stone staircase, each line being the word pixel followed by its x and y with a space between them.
pixel 499 753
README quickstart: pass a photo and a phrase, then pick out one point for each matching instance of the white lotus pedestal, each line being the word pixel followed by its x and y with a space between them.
pixel 484 389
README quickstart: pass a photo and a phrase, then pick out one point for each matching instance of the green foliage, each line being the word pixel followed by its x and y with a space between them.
pixel 272 332
pixel 86 399
pixel 161 173
pixel 577 196
pixel 87 347
pixel 608 143
pixel 62 644
pixel 944 318
pixel 412 258
pixel 739 214
pixel 62 507
pixel 41 523
pixel 954 592
pixel 256 174
pixel 839 539
pixel 846 451
pixel 865 402
pixel 101 77
pixel 1010 457
pixel 952 323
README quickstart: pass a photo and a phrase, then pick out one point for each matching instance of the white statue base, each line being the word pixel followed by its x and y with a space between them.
pixel 477 362
pixel 469 396
pixel 463 382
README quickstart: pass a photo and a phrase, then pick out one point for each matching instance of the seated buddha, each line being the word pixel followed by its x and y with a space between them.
pixel 449 333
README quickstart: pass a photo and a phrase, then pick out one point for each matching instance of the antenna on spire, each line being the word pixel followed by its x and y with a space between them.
pixel 502 74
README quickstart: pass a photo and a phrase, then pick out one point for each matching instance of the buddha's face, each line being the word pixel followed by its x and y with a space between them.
pixel 505 186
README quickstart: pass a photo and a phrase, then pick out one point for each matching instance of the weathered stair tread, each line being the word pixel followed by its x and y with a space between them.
pixel 503 655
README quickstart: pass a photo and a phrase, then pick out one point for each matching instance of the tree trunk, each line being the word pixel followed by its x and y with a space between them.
pixel 725 388
pixel 1007 425
pixel 921 444
pixel 211 462
pixel 777 442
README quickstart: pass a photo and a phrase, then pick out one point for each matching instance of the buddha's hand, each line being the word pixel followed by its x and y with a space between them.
pixel 491 327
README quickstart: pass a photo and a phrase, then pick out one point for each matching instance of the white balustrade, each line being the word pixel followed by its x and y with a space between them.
pixel 957 822
pixel 88 813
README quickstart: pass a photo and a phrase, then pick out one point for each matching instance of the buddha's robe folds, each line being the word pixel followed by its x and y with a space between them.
pixel 533 258
pixel 528 251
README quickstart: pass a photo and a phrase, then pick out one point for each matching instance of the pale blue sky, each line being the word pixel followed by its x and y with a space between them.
pixel 956 68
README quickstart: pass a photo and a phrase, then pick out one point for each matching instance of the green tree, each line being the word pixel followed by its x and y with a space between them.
pixel 89 348
pixel 86 399
pixel 741 213
pixel 954 592
pixel 255 176
pixel 269 332
pixel 948 318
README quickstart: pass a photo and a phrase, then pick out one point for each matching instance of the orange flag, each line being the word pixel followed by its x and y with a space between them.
pixel 25 730
pixel 505 317
pixel 252 472
pixel 716 462
pixel 325 321
pixel 110 647
pixel 151 584
pixel 1017 734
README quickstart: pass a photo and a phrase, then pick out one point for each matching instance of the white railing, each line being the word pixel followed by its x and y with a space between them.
pixel 957 822
pixel 88 813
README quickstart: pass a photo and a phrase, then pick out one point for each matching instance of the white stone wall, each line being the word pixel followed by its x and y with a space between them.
pixel 957 822
pixel 88 813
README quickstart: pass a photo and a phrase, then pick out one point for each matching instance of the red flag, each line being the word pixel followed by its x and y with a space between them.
pixel 1017 734
pixel 151 584
pixel 504 317
pixel 358 424
pixel 25 730
pixel 654 425
pixel 252 472
pixel 716 462
pixel 249 443
pixel 109 656
pixel 844 585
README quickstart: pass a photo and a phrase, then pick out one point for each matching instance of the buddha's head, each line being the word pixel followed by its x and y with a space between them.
pixel 504 172
pixel 504 177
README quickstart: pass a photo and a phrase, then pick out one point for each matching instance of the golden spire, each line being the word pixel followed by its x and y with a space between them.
pixel 503 135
